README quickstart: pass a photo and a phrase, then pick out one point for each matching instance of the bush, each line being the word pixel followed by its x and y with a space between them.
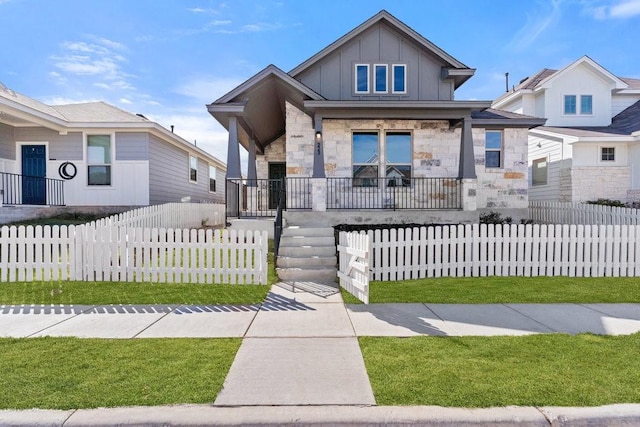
pixel 494 218
pixel 607 202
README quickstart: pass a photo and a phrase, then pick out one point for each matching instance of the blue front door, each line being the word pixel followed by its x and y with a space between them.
pixel 34 171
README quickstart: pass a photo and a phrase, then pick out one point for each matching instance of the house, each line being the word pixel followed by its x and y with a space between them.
pixel 590 145
pixel 95 157
pixel 367 130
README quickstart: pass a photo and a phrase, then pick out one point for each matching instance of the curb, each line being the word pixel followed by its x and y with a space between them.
pixel 207 415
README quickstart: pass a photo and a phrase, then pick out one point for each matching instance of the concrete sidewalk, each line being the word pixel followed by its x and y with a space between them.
pixel 300 362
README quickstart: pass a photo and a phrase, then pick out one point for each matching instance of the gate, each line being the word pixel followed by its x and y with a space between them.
pixel 353 269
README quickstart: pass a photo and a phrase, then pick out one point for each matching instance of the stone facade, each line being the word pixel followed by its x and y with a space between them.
pixel 435 153
pixel 592 182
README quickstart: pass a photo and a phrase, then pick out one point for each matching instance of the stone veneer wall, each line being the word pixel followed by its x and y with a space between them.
pixel 594 182
pixel 436 153
pixel 506 187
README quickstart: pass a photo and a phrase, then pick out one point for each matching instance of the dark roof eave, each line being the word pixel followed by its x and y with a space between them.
pixel 509 122
pixel 399 105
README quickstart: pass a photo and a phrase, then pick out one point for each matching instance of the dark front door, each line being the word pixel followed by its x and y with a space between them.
pixel 277 173
pixel 34 171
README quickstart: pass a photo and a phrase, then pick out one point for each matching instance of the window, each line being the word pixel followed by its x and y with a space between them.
pixel 608 154
pixel 380 78
pixel 539 170
pixel 365 159
pixel 493 149
pixel 399 78
pixel 570 104
pixel 362 78
pixel 98 160
pixel 398 158
pixel 586 104
pixel 193 169
pixel 212 179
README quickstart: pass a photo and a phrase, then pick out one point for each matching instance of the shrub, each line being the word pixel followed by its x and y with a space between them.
pixel 606 202
pixel 494 218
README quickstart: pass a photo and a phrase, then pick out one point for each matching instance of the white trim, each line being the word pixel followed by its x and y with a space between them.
pixel 215 178
pixel 112 155
pixel 393 79
pixel 546 178
pixel 564 105
pixel 586 114
pixel 500 150
pixel 19 144
pixel 189 168
pixel 355 78
pixel 386 78
pixel 607 162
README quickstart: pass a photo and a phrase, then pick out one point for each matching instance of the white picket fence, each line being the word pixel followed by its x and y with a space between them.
pixel 137 246
pixel 168 215
pixel 475 250
pixel 581 213
pixel 353 271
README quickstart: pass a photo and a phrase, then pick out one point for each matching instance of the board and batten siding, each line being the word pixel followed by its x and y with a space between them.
pixel 333 76
pixel 132 146
pixel 169 176
pixel 554 150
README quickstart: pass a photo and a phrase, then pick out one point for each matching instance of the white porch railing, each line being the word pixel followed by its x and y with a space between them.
pixel 581 213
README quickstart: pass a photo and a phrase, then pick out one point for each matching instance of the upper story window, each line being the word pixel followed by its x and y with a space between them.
pixel 398 158
pixel 493 149
pixel 98 159
pixel 586 104
pixel 399 78
pixel 608 154
pixel 539 170
pixel 193 169
pixel 212 179
pixel 362 78
pixel 380 71
pixel 365 159
pixel 571 104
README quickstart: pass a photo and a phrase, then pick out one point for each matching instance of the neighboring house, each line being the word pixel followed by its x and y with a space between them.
pixel 96 155
pixel 590 146
pixel 367 125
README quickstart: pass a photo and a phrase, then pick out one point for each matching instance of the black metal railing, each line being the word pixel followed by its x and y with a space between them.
pixel 17 189
pixel 277 224
pixel 394 193
pixel 253 198
pixel 298 194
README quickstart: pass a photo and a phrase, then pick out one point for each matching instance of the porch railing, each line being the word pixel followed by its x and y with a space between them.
pixel 16 189
pixel 394 193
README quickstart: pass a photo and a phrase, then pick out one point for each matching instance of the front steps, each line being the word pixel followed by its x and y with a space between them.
pixel 307 254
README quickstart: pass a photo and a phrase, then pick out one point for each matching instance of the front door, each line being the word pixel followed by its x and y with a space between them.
pixel 277 173
pixel 34 171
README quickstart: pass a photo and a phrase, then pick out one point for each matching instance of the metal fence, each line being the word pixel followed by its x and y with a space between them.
pixel 394 193
pixel 18 189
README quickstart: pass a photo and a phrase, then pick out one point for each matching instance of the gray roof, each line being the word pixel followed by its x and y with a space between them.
pixel 623 124
pixel 500 117
pixel 99 111
pixel 11 95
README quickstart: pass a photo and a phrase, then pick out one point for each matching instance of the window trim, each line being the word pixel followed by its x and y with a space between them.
pixel 393 79
pixel 564 105
pixel 375 78
pixel 191 156
pixel 112 147
pixel 376 164
pixel 591 104
pixel 607 161
pixel 386 160
pixel 546 175
pixel 355 87
pixel 499 150
pixel 215 173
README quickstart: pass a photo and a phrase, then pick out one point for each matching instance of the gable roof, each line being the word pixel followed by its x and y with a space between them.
pixel 619 84
pixel 98 111
pixel 384 16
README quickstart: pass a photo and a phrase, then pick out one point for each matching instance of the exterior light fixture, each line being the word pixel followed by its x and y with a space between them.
pixel 318 136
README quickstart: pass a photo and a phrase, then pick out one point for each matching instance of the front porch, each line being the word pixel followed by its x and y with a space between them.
pixel 24 190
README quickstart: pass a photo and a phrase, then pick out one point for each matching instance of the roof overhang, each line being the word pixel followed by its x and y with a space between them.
pixel 417 110
pixel 616 82
pixel 20 115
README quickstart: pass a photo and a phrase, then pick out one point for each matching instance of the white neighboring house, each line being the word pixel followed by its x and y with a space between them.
pixel 96 156
pixel 590 146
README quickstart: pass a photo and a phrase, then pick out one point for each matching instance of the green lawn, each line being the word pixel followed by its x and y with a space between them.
pixel 537 370
pixel 494 290
pixel 89 293
pixel 66 373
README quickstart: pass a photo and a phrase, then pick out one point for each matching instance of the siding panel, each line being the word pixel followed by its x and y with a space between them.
pixel 7 142
pixel 132 146
pixel 61 147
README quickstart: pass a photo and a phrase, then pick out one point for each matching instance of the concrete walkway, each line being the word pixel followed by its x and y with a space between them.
pixel 300 352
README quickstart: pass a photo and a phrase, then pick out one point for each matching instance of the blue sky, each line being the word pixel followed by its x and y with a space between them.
pixel 167 59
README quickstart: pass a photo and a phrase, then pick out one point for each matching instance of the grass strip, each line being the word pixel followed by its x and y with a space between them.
pixel 538 370
pixel 91 293
pixel 67 373
pixel 498 290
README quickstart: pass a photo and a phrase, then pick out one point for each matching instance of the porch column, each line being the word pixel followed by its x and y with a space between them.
pixel 318 149
pixel 467 166
pixel 251 167
pixel 233 151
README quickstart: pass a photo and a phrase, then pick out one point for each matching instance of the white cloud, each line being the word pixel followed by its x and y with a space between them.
pixel 61 100
pixel 219 22
pixel 620 9
pixel 125 101
pixel 96 58
pixel 535 27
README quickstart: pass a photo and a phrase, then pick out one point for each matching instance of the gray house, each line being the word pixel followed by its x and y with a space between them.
pixel 369 126
pixel 95 157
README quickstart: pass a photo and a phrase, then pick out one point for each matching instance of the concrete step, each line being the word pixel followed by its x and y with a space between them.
pixel 307 241
pixel 313 261
pixel 295 230
pixel 306 251
pixel 307 273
